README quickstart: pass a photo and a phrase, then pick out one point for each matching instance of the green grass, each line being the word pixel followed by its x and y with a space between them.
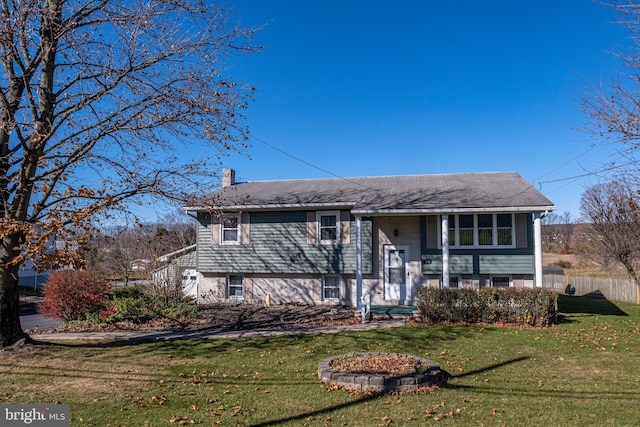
pixel 583 372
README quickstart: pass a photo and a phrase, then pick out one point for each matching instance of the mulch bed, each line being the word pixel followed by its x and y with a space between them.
pixel 376 363
pixel 234 317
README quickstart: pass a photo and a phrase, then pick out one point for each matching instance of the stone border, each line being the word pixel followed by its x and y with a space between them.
pixel 381 383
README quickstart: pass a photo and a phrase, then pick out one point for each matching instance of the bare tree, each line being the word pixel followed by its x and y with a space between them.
pixel 115 249
pixel 612 105
pixel 613 213
pixel 557 231
pixel 98 99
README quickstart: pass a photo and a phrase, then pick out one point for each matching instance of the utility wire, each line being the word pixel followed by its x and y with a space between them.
pixel 308 163
pixel 570 178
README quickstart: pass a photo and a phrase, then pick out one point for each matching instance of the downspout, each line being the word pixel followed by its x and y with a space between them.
pixel 537 247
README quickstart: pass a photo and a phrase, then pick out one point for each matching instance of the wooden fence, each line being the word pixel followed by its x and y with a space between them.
pixel 611 288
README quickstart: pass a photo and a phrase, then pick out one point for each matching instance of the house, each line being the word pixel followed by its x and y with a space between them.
pixel 337 240
pixel 178 268
pixel 30 276
pixel 140 264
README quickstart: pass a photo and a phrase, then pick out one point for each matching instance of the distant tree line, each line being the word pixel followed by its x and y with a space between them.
pixel 127 252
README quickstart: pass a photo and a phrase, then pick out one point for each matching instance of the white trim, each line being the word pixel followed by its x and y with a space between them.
pixel 324 277
pixel 407 272
pixel 367 212
pixel 319 215
pixel 454 219
pixel 445 247
pixel 441 211
pixel 537 249
pixel 228 287
pixel 167 257
pixel 238 217
pixel 274 206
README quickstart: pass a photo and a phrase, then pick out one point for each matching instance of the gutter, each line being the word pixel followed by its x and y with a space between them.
pixel 367 212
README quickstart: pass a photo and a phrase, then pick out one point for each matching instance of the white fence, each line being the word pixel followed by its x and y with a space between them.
pixel 611 288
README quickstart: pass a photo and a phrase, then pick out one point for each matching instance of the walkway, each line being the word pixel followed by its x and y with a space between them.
pixel 172 335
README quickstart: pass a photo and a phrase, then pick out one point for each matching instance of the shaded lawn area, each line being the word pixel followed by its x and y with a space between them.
pixel 582 372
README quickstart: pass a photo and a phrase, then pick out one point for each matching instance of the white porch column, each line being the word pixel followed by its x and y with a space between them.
pixel 445 251
pixel 537 249
pixel 359 263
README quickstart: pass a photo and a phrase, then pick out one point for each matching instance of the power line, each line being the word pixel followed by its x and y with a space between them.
pixel 570 178
pixel 308 163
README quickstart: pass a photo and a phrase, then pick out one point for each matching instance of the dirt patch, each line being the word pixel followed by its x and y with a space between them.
pixel 235 317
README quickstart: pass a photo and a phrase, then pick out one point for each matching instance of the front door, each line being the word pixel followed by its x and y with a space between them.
pixel 396 267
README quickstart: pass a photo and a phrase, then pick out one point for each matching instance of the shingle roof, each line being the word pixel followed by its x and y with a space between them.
pixel 491 191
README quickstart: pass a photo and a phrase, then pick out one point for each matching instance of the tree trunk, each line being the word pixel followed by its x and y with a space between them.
pixel 10 327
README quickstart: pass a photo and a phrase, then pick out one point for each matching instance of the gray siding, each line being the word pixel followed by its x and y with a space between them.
pixel 278 244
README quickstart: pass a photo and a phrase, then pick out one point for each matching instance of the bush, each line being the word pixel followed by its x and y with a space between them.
pixel 70 295
pixel 520 306
pixel 449 305
pixel 134 305
pixel 564 264
pixel 127 292
pixel 80 295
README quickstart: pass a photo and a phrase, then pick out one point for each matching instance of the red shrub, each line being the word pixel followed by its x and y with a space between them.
pixel 69 295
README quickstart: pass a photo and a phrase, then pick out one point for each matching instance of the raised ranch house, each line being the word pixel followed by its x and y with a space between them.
pixel 338 240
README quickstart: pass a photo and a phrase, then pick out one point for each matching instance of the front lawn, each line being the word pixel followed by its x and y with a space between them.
pixel 583 372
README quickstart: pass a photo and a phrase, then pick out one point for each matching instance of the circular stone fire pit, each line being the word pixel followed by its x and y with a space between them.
pixel 429 374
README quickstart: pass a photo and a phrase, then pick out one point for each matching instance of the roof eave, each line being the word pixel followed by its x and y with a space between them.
pixel 440 211
pixel 275 206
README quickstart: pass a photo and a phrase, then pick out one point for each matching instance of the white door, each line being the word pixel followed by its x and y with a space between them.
pixel 190 282
pixel 396 272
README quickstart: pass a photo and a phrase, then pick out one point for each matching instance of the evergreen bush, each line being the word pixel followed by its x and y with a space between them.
pixel 517 306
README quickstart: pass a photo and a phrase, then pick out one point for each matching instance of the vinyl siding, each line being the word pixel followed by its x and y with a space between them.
pixel 479 263
pixel 517 260
pixel 279 244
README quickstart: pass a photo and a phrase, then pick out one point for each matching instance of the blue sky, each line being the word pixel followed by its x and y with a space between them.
pixel 361 88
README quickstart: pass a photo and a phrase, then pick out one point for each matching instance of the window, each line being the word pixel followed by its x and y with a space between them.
pixel 481 230
pixel 485 230
pixel 331 287
pixel 452 230
pixel 465 230
pixel 454 282
pixel 230 229
pixel 328 227
pixel 235 286
pixel 505 229
pixel 500 282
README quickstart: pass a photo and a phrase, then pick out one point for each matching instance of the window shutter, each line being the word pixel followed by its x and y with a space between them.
pixel 345 227
pixel 312 231
pixel 215 229
pixel 245 228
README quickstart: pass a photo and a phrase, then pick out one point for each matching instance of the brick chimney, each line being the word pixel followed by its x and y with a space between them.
pixel 228 177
